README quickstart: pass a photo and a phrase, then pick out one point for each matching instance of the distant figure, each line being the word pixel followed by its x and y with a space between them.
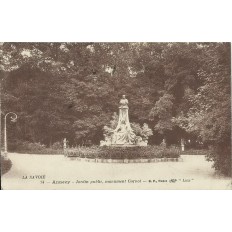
pixel 65 143
pixel 182 144
pixel 163 143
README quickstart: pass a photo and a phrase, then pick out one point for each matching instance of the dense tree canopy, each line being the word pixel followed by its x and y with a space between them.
pixel 72 90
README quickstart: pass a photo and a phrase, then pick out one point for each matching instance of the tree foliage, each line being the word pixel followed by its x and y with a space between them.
pixel 209 116
pixel 70 90
pixel 163 111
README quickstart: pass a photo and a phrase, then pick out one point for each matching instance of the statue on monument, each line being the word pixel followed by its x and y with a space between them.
pixel 123 134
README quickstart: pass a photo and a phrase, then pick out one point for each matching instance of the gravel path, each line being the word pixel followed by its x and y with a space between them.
pixel 58 172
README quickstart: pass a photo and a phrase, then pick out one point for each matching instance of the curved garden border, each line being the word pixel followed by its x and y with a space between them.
pixel 126 161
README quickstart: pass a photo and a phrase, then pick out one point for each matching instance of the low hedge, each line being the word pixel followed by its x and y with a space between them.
pixel 148 152
pixel 45 151
pixel 195 152
pixel 6 165
pixel 26 147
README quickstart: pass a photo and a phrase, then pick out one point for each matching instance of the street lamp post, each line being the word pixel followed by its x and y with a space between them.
pixel 13 119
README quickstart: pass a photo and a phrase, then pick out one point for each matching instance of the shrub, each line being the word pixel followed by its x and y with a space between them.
pixel 38 148
pixel 221 157
pixel 145 132
pixel 57 145
pixel 196 152
pixel 170 152
pixel 27 146
pixel 6 165
pixel 124 152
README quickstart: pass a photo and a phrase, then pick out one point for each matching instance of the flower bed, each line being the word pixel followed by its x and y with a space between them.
pixel 148 152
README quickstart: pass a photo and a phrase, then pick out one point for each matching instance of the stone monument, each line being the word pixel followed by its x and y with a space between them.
pixel 123 135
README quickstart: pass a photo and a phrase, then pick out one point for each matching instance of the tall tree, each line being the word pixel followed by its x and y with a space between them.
pixel 210 115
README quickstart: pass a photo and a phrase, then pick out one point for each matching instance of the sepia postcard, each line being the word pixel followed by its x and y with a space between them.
pixel 115 115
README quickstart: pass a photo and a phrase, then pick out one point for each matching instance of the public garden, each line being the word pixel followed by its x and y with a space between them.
pixel 60 103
